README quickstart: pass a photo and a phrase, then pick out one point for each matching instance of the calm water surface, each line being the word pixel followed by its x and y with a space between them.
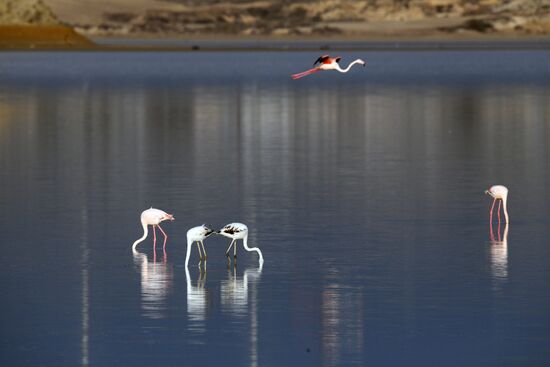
pixel 364 192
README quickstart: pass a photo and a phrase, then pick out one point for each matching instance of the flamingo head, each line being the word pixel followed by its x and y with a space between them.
pixel 168 217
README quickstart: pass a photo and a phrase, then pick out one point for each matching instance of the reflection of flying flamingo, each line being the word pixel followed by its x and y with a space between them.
pixel 327 63
pixel 153 217
pixel 197 234
pixel 498 192
pixel 238 231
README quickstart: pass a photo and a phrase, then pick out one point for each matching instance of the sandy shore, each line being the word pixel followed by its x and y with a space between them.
pixel 16 37
pixel 61 38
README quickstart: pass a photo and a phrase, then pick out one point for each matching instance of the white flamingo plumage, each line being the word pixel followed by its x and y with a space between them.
pixel 498 192
pixel 153 217
pixel 327 63
pixel 238 231
pixel 197 234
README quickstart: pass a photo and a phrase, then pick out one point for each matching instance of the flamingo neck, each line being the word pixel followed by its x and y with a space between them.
pixel 349 66
pixel 145 232
pixel 245 244
pixel 189 245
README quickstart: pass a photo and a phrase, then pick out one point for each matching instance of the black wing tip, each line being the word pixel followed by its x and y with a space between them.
pixel 321 59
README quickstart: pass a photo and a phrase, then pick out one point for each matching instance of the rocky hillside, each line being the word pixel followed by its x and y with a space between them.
pixel 26 12
pixel 30 24
pixel 368 18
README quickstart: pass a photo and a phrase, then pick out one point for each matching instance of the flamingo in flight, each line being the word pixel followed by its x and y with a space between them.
pixel 327 63
pixel 153 217
pixel 498 192
pixel 197 234
pixel 238 231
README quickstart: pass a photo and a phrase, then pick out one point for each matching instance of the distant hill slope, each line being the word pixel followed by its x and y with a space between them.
pixel 30 24
pixel 369 18
pixel 26 12
pixel 93 12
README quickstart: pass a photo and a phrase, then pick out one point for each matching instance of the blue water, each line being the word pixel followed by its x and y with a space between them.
pixel 364 192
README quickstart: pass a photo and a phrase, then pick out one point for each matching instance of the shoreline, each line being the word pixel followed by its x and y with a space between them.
pixel 313 44
pixel 61 38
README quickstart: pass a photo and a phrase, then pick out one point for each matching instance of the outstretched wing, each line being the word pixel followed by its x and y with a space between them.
pixel 321 59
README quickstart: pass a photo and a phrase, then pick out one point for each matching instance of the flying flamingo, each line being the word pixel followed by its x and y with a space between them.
pixel 238 231
pixel 327 63
pixel 498 192
pixel 197 234
pixel 153 217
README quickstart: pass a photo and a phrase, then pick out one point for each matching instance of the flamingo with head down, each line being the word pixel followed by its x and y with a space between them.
pixel 327 63
pixel 499 193
pixel 153 217
pixel 198 235
pixel 238 231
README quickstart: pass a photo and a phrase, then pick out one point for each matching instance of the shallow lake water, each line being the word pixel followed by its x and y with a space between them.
pixel 364 191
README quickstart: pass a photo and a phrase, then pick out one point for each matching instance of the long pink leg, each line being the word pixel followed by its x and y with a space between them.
pixel 498 211
pixel 165 237
pixel 304 73
pixel 492 207
pixel 154 237
pixel 491 236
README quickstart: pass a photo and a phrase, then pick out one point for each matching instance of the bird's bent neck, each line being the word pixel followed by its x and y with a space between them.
pixel 349 66
pixel 189 245
pixel 245 245
pixel 145 232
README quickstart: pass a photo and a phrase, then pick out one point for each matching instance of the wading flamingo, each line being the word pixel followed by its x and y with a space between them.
pixel 238 231
pixel 153 217
pixel 197 234
pixel 498 192
pixel 327 63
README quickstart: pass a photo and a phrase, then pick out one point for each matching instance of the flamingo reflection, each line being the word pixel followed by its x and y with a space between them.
pixel 197 301
pixel 156 284
pixel 499 254
pixel 237 294
pixel 234 290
